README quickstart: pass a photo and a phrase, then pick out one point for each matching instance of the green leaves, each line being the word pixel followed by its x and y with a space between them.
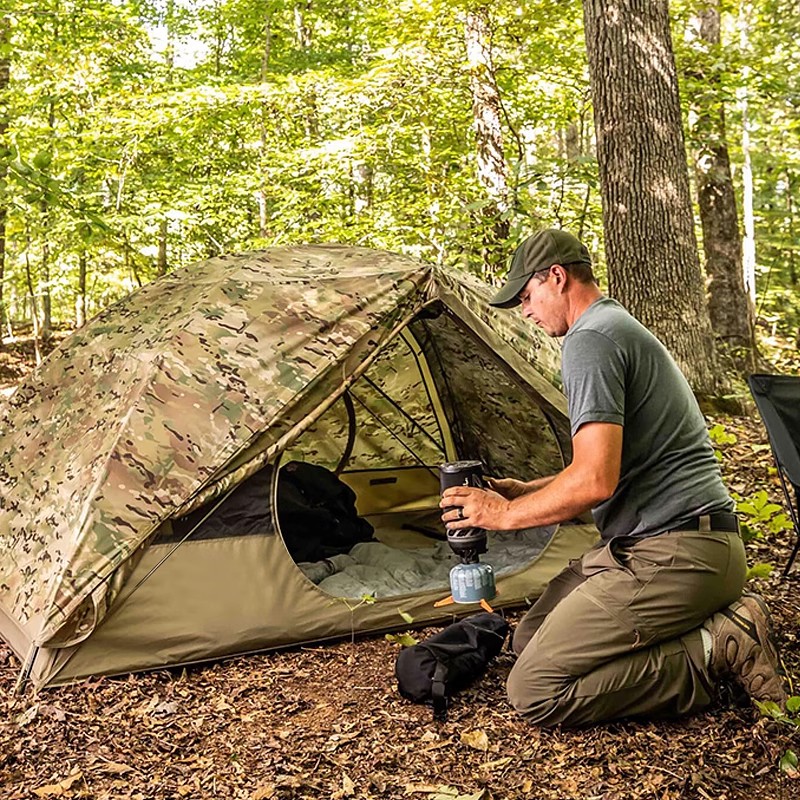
pixel 761 513
pixel 788 764
pixel 402 639
pixel 759 570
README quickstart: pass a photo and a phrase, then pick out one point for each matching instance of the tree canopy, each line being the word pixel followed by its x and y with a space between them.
pixel 139 135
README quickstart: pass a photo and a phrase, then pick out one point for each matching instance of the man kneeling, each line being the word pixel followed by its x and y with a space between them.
pixel 647 622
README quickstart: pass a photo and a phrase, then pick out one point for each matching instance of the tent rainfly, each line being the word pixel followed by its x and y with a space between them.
pixel 140 464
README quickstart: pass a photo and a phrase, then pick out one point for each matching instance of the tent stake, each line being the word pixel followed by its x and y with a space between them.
pixel 25 672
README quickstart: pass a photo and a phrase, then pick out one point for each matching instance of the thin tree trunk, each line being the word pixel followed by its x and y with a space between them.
pixel 169 50
pixel 491 162
pixel 790 187
pixel 303 36
pixel 80 298
pixel 653 262
pixel 162 248
pixel 32 296
pixel 5 152
pixel 748 215
pixel 361 181
pixel 729 306
pixel 302 29
pixel 262 192
pixel 130 262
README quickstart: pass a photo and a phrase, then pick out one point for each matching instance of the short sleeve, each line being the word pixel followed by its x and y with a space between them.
pixel 593 371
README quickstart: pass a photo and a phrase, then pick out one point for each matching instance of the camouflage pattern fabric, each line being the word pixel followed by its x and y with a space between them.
pixel 134 413
pixel 493 416
pixel 171 397
pixel 503 325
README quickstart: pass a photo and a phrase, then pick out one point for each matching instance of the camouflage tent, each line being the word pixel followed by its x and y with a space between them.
pixel 150 419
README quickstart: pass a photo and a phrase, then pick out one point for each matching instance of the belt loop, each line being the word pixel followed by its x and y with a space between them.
pixel 705 523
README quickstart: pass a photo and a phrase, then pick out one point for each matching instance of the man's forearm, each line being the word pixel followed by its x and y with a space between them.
pixel 551 499
pixel 539 483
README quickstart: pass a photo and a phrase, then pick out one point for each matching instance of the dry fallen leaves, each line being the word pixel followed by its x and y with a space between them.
pixel 60 788
pixel 443 792
pixel 476 739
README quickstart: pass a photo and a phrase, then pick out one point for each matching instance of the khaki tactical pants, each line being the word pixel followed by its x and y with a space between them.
pixel 617 633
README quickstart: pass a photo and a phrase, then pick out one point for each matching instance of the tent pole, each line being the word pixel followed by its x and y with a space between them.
pixel 27 667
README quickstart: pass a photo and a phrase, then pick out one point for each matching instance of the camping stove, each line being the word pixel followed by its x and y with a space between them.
pixel 470 581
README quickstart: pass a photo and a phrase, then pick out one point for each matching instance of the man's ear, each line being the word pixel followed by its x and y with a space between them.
pixel 560 275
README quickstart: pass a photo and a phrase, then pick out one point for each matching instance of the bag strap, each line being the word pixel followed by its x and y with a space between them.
pixel 438 692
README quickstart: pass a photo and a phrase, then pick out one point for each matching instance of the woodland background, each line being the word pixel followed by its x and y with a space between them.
pixel 141 135
pixel 138 136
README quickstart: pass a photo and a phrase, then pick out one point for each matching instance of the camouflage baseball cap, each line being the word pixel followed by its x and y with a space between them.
pixel 537 253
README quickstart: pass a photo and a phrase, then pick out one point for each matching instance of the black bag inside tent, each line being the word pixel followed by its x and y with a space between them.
pixel 778 400
pixel 317 512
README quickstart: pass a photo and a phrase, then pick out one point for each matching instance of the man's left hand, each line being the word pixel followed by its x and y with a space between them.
pixel 473 508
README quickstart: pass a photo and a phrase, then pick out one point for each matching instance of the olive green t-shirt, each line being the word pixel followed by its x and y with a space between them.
pixel 615 370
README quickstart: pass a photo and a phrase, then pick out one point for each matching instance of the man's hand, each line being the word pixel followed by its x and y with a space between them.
pixel 474 508
pixel 591 478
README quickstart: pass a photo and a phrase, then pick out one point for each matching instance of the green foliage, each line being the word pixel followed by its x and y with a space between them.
pixel 402 639
pixel 760 515
pixel 790 717
pixel 143 136
pixel 788 764
pixel 719 436
pixel 759 570
pixel 221 126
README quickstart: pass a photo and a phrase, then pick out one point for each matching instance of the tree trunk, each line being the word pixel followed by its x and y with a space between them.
pixel 790 187
pixel 302 29
pixel 651 248
pixel 303 36
pixel 5 152
pixel 748 215
pixel 486 113
pixel 80 298
pixel 361 182
pixel 32 297
pixel 262 192
pixel 169 50
pixel 729 306
pixel 161 268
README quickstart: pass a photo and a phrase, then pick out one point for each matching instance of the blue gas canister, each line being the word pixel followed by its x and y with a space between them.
pixel 471 583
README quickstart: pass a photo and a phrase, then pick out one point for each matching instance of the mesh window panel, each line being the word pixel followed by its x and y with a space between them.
pixel 395 423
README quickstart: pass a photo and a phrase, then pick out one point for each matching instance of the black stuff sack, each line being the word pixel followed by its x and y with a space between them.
pixel 433 670
pixel 317 513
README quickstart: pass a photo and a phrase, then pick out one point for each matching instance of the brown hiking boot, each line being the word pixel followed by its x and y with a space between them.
pixel 743 648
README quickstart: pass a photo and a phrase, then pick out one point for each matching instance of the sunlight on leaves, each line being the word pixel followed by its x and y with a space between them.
pixel 60 788
pixel 477 739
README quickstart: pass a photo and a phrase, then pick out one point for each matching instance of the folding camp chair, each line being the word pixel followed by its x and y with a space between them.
pixel 778 400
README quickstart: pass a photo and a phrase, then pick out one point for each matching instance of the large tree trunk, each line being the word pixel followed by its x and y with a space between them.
pixel 486 113
pixel 651 248
pixel 729 305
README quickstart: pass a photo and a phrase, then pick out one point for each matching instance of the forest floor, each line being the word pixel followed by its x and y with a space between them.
pixel 328 722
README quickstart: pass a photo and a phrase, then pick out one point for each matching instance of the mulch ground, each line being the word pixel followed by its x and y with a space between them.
pixel 328 722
